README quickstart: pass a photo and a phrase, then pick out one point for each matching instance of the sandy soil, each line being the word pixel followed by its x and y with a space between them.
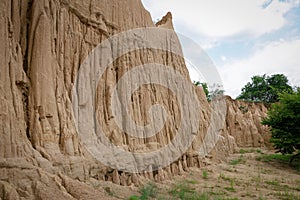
pixel 243 175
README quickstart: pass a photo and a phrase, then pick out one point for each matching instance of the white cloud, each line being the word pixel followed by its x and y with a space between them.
pixel 215 18
pixel 223 58
pixel 210 22
pixel 276 57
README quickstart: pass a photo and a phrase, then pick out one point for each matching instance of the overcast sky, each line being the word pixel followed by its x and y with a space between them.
pixel 242 37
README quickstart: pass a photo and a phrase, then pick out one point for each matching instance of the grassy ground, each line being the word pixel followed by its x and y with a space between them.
pixel 249 174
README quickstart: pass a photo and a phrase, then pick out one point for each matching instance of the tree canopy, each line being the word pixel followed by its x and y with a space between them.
pixel 203 85
pixel 265 88
pixel 210 94
pixel 284 120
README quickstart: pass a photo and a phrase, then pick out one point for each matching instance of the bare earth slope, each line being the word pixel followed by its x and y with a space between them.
pixel 249 174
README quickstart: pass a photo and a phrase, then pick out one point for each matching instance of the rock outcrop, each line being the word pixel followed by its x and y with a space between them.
pixel 243 123
pixel 242 128
pixel 43 44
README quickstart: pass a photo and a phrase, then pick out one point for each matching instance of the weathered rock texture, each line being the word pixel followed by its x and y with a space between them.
pixel 43 43
pixel 243 123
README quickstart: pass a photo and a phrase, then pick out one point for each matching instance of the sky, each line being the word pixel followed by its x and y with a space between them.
pixel 243 38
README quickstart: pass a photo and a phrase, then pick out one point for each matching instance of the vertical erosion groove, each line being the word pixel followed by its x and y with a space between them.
pixel 25 86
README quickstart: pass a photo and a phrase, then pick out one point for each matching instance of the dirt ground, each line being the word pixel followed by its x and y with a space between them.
pixel 249 174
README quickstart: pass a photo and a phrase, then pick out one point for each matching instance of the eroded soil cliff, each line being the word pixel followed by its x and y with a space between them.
pixel 43 43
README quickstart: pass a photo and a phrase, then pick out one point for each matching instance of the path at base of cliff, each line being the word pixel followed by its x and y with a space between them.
pixel 253 173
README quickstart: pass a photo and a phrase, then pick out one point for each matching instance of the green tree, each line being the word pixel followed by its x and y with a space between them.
pixel 210 94
pixel 265 88
pixel 284 121
pixel 203 85
pixel 215 92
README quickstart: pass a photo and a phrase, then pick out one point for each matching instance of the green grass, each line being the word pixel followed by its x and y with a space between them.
pixel 217 193
pixel 258 151
pixel 231 188
pixel 225 178
pixel 275 157
pixel 243 151
pixel 185 190
pixel 298 185
pixel 181 189
pixel 191 181
pixel 134 197
pixel 280 158
pixel 277 186
pixel 236 161
pixel 148 191
pixel 287 196
pixel 274 183
pixel 204 174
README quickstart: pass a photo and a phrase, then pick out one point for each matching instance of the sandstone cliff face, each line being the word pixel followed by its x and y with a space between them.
pixel 43 43
pixel 243 123
pixel 241 128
